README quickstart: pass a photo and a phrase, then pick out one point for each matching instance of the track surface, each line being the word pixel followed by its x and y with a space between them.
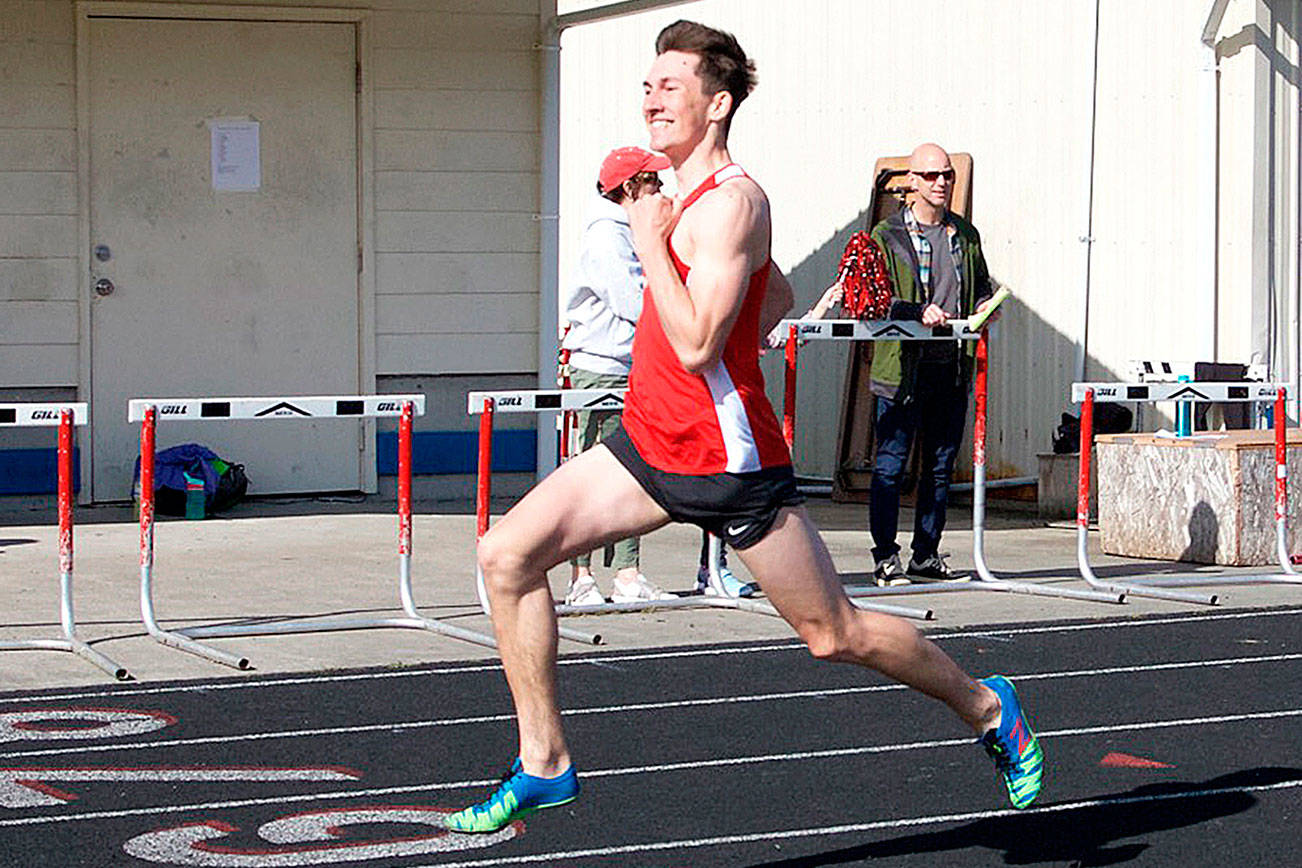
pixel 703 756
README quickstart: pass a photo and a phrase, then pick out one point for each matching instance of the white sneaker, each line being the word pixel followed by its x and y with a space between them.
pixel 640 591
pixel 583 592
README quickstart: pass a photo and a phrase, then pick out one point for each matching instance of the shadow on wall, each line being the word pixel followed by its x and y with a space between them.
pixel 1030 375
pixel 1204 532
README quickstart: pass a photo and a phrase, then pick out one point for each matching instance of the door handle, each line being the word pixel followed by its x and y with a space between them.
pixel 104 286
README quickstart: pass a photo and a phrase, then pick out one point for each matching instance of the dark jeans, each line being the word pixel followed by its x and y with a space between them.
pixel 937 412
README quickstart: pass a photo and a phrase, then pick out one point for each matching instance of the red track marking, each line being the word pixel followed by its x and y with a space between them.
pixel 1116 760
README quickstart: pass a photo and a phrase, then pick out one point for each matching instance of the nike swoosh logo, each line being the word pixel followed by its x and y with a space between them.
pixel 737 529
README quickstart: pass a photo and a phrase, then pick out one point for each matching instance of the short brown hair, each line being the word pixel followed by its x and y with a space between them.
pixel 723 64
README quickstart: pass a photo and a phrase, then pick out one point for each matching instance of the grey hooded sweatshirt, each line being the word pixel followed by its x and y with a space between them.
pixel 603 297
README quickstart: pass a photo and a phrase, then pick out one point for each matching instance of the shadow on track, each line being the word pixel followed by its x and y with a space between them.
pixel 1088 835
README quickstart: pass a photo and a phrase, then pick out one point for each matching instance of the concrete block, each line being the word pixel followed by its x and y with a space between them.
pixel 1208 499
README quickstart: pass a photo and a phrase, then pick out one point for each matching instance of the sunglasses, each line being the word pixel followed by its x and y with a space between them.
pixel 930 176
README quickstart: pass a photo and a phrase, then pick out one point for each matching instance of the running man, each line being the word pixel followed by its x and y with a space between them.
pixel 700 443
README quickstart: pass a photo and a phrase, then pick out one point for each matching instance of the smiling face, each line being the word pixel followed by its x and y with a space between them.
pixel 677 111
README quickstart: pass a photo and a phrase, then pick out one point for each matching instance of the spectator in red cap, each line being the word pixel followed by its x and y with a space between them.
pixel 602 303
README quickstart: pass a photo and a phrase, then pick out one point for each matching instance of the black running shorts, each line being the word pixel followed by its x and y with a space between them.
pixel 739 508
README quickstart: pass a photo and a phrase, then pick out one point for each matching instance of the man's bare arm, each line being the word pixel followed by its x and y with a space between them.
pixel 697 322
pixel 777 300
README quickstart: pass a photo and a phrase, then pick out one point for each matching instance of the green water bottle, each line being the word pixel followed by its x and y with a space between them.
pixel 1183 413
pixel 193 497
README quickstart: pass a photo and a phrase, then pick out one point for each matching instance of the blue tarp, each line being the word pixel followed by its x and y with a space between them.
pixel 171 465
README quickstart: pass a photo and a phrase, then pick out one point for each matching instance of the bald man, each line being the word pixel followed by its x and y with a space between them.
pixel 938 274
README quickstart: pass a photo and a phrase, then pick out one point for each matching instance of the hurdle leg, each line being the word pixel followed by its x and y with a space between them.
pixel 1289 576
pixel 70 641
pixel 414 618
pixel 1083 517
pixel 165 637
pixel 68 621
pixel 789 390
pixel 1281 486
pixel 483 494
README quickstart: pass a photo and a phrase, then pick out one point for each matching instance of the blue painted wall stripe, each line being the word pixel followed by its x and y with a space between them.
pixel 435 453
pixel 34 471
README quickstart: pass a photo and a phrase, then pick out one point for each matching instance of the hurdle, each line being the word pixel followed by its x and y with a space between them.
pixel 799 331
pixel 488 404
pixel 1087 394
pixel 66 417
pixel 147 410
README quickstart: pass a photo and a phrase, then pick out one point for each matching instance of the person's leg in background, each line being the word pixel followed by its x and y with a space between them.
pixel 732 586
pixel 942 413
pixel 893 431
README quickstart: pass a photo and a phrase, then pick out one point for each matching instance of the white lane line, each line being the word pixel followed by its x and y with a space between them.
pixel 822 831
pixel 662 768
pixel 591 659
pixel 631 708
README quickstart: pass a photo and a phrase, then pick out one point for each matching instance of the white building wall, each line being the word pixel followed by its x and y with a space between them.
pixel 842 83
pixel 1146 228
pixel 1260 226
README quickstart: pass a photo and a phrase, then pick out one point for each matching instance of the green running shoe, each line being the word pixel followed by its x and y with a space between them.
pixel 518 796
pixel 1013 746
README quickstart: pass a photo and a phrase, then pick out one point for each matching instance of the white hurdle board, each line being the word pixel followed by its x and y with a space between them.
pixel 876 330
pixel 310 407
pixel 544 400
pixel 41 415
pixel 1114 393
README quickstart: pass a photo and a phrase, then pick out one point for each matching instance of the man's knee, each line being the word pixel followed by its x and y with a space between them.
pixel 830 641
pixel 852 640
pixel 500 562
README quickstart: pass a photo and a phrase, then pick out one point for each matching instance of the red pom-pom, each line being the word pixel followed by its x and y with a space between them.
pixel 864 279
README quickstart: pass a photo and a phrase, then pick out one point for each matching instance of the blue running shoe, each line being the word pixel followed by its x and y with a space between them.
pixel 732 586
pixel 1013 746
pixel 518 796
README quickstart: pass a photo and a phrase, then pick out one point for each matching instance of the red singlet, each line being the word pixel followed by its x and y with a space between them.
pixel 717 422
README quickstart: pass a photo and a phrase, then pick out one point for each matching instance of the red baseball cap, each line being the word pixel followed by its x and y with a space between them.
pixel 623 163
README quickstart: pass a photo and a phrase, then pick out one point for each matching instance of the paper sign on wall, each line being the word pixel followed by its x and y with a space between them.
pixel 236 156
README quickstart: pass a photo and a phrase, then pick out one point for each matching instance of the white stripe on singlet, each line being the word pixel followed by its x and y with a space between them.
pixel 734 425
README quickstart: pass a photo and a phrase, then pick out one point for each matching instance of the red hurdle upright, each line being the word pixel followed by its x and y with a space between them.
pixel 66 416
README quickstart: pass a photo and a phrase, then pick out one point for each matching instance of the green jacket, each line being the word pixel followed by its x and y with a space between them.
pixel 895 362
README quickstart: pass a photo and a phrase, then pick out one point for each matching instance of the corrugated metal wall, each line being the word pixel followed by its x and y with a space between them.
pixel 456 96
pixel 457 161
pixel 39 288
pixel 845 82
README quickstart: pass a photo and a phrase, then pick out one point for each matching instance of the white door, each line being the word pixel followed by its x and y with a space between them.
pixel 215 291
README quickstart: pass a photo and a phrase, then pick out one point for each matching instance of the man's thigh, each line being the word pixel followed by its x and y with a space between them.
pixel 587 502
pixel 796 572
